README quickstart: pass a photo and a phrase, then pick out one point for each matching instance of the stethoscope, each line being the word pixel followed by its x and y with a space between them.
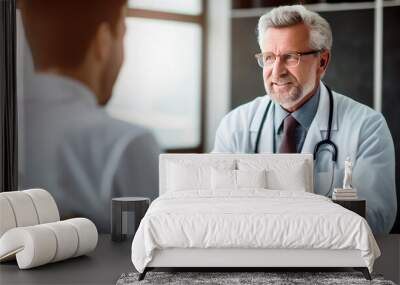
pixel 318 146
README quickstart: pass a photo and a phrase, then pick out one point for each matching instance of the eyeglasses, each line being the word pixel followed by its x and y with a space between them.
pixel 291 59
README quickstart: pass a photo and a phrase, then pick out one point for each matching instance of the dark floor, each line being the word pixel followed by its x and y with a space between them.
pixel 102 266
pixel 110 259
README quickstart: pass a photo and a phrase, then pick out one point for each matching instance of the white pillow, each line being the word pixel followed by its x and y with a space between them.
pixel 294 179
pixel 189 175
pixel 281 174
pixel 251 178
pixel 236 179
pixel 223 179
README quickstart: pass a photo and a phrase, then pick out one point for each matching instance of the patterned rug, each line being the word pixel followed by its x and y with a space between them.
pixel 229 278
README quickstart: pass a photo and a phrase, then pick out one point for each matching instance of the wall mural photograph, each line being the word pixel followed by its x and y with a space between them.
pixel 254 139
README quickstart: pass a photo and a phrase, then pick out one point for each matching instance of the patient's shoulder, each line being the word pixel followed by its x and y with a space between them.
pixel 100 133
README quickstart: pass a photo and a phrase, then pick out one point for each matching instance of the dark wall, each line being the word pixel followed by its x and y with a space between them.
pixel 391 87
pixel 350 72
pixel 247 82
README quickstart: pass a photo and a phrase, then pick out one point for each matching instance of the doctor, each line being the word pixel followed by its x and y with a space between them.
pixel 299 111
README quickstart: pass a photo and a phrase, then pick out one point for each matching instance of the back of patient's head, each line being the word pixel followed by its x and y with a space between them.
pixel 60 32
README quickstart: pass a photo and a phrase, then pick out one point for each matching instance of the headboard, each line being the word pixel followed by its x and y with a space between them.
pixel 271 159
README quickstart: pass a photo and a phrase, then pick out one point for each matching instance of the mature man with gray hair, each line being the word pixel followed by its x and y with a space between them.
pixel 300 114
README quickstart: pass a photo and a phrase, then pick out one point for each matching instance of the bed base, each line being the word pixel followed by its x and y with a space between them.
pixel 363 270
pixel 251 259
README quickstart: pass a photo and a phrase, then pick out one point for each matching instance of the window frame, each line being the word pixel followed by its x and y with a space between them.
pixel 201 20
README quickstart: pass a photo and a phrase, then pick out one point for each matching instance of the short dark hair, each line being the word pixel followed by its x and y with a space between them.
pixel 59 32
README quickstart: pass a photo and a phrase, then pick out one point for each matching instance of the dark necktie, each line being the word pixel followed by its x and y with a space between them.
pixel 289 142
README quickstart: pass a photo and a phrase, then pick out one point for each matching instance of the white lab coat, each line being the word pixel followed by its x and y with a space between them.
pixel 358 132
pixel 83 157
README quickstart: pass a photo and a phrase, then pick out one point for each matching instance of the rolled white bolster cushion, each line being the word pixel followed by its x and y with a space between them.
pixel 87 235
pixel 41 244
pixel 33 246
pixel 67 240
pixel 7 218
pixel 46 207
pixel 23 208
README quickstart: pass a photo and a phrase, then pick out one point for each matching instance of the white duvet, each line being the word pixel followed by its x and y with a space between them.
pixel 250 219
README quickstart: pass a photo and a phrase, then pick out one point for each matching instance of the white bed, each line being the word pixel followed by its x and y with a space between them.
pixel 219 210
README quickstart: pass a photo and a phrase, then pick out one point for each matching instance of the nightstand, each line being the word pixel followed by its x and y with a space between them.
pixel 358 206
pixel 125 213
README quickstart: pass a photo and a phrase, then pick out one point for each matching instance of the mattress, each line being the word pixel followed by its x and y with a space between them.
pixel 250 219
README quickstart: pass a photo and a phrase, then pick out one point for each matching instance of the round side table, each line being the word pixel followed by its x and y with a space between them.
pixel 125 213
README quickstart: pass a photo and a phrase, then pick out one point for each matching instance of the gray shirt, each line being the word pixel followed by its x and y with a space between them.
pixel 81 155
pixel 304 116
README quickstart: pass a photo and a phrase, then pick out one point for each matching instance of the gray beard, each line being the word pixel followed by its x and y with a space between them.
pixel 287 100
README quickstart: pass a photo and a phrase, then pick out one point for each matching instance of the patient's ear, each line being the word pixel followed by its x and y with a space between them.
pixel 102 43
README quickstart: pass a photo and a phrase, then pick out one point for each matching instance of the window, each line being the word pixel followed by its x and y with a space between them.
pixel 160 85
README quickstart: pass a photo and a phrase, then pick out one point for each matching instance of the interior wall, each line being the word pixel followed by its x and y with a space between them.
pixel 350 71
pixel 246 80
pixel 391 87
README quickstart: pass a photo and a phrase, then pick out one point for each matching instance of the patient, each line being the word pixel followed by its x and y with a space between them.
pixel 71 146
